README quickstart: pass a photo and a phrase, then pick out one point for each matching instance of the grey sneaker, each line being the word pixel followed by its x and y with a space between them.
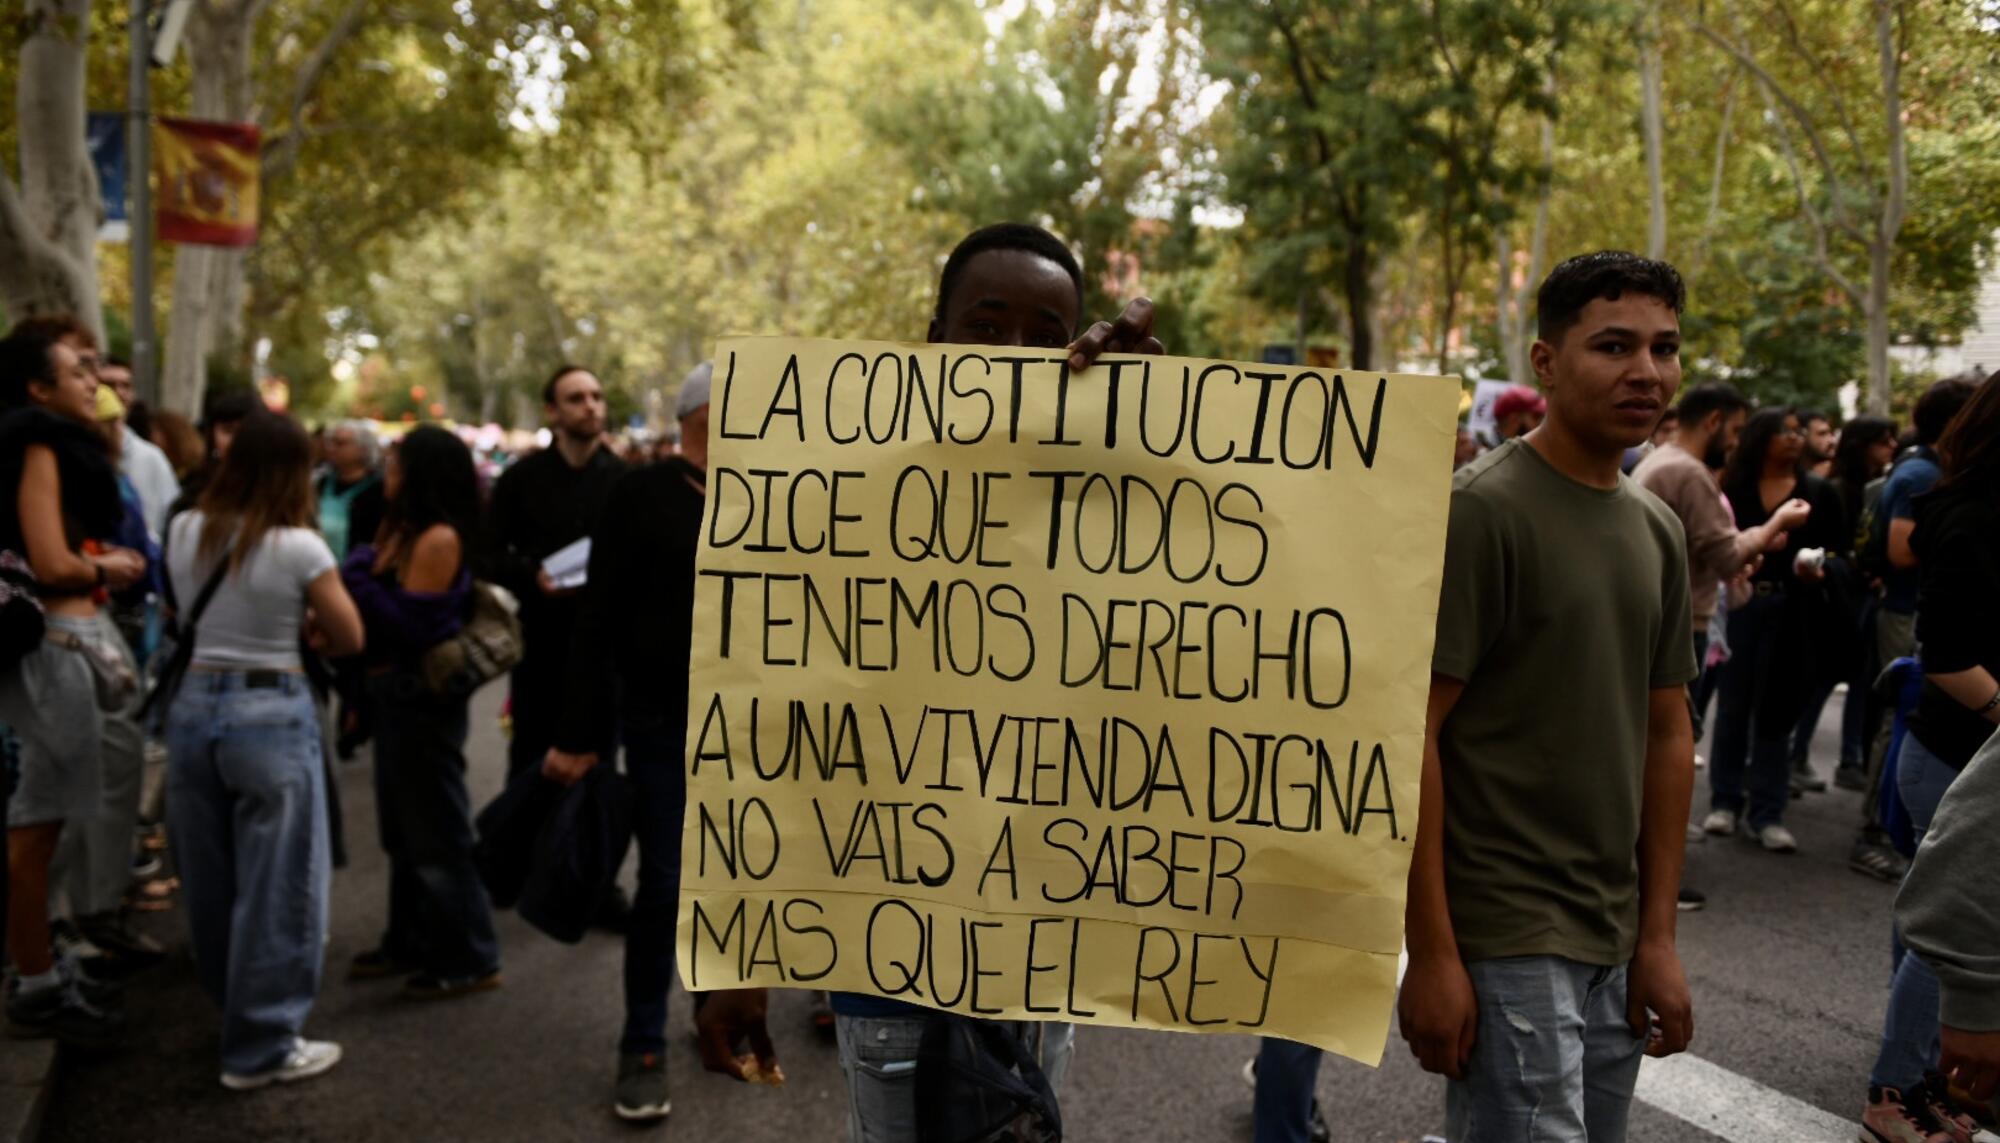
pixel 642 1088
pixel 1777 839
pixel 308 1058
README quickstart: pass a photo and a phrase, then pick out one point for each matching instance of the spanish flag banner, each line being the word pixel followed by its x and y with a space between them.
pixel 207 173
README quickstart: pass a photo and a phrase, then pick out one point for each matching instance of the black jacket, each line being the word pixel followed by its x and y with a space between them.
pixel 634 622
pixel 540 506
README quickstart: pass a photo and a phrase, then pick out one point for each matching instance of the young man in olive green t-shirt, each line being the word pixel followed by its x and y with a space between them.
pixel 1559 759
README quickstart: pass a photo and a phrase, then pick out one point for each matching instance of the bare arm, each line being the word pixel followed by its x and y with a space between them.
pixel 1657 983
pixel 334 614
pixel 1901 555
pixel 434 560
pixel 1437 1010
pixel 39 502
pixel 1971 689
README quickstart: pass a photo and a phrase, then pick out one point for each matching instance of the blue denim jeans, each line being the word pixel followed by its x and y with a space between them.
pixel 1910 1027
pixel 878 1059
pixel 1757 706
pixel 1554 1060
pixel 1286 1073
pixel 439 916
pixel 659 794
pixel 246 809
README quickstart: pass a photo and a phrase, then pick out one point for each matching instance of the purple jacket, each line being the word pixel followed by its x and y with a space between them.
pixel 401 624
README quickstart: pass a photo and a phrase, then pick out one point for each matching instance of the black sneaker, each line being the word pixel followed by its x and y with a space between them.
pixel 641 1095
pixel 1851 776
pixel 1691 899
pixel 113 933
pixel 430 986
pixel 63 1015
pixel 1877 860
pixel 378 964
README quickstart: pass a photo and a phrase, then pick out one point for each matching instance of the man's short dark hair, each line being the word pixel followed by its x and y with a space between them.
pixel 1939 404
pixel 1607 274
pixel 1711 397
pixel 1006 236
pixel 56 327
pixel 1808 416
pixel 562 371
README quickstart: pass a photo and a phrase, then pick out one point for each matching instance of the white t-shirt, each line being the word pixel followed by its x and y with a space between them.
pixel 253 621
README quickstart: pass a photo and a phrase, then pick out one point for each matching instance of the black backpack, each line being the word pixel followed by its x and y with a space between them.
pixel 978 1081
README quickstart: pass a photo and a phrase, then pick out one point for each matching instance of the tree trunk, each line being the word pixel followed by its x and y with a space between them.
pixel 1651 127
pixel 48 226
pixel 207 314
pixel 1882 251
pixel 1360 302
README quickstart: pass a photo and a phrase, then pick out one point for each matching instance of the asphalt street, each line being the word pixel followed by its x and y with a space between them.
pixel 1788 966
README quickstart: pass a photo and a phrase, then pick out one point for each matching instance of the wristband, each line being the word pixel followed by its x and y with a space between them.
pixel 1991 704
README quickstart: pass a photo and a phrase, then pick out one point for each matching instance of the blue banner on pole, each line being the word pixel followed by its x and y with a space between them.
pixel 106 131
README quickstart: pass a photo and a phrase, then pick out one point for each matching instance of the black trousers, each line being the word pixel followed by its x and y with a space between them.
pixel 439 917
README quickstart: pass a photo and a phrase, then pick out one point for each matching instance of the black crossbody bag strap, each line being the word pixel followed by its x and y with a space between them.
pixel 169 680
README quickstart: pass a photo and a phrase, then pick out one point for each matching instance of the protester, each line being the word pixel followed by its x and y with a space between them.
pixel 1681 473
pixel 1866 446
pixel 413 587
pixel 1517 411
pixel 179 440
pixel 140 459
pixel 1886 552
pixel 247 793
pixel 1773 636
pixel 1957 544
pixel 1535 985
pixel 542 504
pixel 65 491
pixel 349 492
pixel 1949 912
pixel 633 631
pixel 93 862
pixel 1822 439
pixel 1670 424
pixel 221 414
pixel 1007 284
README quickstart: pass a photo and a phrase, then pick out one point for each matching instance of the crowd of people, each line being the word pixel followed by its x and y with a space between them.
pixel 262 605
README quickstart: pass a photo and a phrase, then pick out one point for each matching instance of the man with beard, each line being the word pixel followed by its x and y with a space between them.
pixel 1682 471
pixel 545 503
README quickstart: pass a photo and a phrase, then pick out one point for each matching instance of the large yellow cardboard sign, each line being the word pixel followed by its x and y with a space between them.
pixel 1093 697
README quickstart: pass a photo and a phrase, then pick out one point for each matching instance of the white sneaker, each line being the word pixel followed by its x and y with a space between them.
pixel 1721 823
pixel 1700 760
pixel 1696 835
pixel 1777 839
pixel 307 1059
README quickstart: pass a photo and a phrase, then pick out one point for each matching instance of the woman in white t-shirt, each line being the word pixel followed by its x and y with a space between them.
pixel 246 791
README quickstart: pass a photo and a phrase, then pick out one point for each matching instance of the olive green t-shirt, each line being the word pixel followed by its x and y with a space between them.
pixel 1563 606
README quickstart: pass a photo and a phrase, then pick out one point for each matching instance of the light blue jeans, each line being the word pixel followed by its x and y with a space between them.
pixel 878 1059
pixel 1910 1028
pixel 1554 1060
pixel 246 811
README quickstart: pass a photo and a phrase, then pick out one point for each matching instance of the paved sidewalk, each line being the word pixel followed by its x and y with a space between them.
pixel 27 1074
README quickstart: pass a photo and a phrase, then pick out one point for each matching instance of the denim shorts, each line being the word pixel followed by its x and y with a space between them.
pixel 50 701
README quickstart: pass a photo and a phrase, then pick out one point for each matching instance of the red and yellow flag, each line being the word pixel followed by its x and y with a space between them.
pixel 207 181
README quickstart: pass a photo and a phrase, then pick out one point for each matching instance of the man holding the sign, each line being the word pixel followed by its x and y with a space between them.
pixel 1558 756
pixel 1009 285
